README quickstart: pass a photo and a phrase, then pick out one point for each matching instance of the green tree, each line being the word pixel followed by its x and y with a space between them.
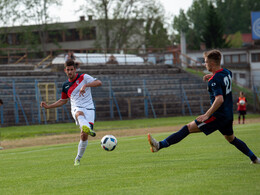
pixel 196 14
pixel 235 40
pixel 195 19
pixel 181 23
pixel 212 32
pixel 22 12
pixel 155 34
pixel 119 20
pixel 9 14
pixel 237 14
pixel 37 13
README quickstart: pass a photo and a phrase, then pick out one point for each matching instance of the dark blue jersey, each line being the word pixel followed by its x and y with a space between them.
pixel 221 84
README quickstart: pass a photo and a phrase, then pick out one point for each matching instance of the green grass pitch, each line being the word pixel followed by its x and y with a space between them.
pixel 198 165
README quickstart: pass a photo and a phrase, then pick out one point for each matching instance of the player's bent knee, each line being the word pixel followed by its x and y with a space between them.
pixel 78 113
pixel 189 127
pixel 193 128
pixel 83 136
pixel 229 138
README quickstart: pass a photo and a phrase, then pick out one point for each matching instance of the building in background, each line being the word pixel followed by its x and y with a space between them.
pixel 243 62
pixel 82 34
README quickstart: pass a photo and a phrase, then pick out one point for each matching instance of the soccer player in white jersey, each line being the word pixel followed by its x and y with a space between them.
pixel 78 89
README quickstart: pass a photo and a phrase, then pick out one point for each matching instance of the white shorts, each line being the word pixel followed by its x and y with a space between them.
pixel 89 114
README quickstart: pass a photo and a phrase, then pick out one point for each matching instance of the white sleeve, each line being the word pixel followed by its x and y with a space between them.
pixel 88 78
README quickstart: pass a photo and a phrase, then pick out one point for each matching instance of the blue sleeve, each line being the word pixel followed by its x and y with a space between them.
pixel 216 87
pixel 63 88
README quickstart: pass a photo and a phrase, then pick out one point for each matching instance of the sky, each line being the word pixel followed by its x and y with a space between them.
pixel 173 6
pixel 67 14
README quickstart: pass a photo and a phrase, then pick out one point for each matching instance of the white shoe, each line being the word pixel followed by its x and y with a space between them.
pixel 257 161
pixel 154 144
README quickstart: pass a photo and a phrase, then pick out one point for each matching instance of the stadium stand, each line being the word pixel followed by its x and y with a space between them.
pixel 127 92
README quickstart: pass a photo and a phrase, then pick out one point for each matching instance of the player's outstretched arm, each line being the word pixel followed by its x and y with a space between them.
pixel 216 104
pixel 56 104
pixel 95 83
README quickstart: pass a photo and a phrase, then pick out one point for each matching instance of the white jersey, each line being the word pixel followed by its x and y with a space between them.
pixel 70 89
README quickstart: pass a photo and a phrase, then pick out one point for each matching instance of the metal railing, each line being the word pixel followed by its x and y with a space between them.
pixel 142 98
pixel 13 55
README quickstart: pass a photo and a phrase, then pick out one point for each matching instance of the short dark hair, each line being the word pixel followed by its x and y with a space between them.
pixel 70 63
pixel 213 55
pixel 1 101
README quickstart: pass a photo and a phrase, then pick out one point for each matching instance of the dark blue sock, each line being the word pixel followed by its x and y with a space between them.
pixel 243 148
pixel 175 137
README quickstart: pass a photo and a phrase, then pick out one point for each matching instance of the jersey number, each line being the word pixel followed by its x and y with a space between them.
pixel 228 84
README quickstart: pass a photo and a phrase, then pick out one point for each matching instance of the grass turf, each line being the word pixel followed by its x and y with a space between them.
pixel 198 165
pixel 17 132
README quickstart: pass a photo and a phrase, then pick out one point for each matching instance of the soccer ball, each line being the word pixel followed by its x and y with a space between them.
pixel 242 102
pixel 108 142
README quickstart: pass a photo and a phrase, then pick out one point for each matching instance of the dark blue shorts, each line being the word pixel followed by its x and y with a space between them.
pixel 212 124
pixel 242 112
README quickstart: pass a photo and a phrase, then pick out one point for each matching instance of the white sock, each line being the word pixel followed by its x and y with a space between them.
pixel 82 121
pixel 81 149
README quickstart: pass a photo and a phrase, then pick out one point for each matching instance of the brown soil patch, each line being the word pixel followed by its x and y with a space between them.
pixel 69 138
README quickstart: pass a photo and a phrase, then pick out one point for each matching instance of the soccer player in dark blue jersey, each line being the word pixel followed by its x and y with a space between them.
pixel 218 117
